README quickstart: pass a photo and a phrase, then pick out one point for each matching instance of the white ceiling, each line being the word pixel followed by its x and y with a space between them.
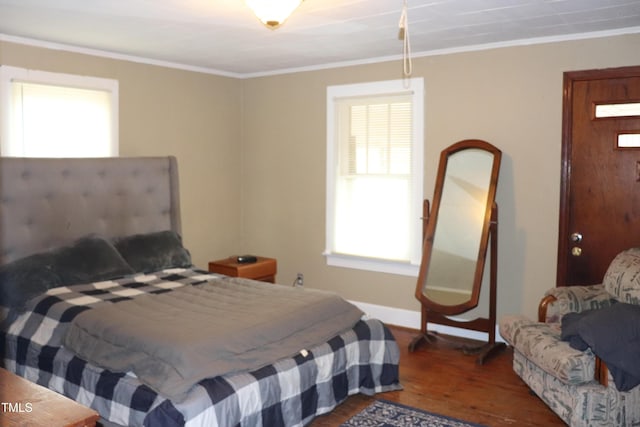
pixel 223 36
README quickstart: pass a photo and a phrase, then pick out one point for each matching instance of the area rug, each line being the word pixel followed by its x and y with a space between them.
pixel 383 413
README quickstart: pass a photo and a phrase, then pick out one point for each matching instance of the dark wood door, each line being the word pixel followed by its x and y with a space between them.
pixel 600 182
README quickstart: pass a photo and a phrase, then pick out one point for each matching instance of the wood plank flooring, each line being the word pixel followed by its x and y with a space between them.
pixel 440 378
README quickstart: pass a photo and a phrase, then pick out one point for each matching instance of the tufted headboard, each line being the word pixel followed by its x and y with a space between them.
pixel 46 202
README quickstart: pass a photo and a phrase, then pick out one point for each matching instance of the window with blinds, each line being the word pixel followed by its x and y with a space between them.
pixel 379 140
pixel 374 176
pixel 57 115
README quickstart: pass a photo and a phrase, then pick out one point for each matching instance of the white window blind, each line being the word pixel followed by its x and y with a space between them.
pixel 58 115
pixel 374 185
pixel 379 142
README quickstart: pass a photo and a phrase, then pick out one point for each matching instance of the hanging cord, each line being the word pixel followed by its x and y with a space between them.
pixel 406 44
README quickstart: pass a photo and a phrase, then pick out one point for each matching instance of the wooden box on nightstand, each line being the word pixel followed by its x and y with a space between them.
pixel 264 269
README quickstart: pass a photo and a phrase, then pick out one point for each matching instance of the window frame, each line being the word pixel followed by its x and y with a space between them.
pixel 415 88
pixel 10 74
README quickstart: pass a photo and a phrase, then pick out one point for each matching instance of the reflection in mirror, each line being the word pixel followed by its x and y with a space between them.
pixel 460 228
pixel 461 216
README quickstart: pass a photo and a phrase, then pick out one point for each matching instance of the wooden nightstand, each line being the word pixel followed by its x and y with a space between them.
pixel 264 269
pixel 23 403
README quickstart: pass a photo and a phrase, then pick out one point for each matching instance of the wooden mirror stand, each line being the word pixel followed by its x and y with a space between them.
pixel 456 245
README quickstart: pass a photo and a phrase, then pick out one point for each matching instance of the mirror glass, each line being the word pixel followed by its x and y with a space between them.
pixel 460 221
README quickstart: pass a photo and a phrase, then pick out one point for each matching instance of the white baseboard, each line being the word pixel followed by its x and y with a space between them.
pixel 411 319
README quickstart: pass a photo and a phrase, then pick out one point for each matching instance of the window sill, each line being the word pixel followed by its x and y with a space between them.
pixel 372 264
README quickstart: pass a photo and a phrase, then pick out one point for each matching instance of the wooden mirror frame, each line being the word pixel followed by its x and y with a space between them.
pixel 433 311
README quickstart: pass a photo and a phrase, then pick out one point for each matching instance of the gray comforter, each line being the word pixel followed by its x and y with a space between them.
pixel 173 340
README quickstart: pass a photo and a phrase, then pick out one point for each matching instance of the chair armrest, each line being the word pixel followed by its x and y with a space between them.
pixel 601 373
pixel 543 307
pixel 572 299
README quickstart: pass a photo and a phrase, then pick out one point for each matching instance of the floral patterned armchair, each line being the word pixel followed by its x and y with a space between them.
pixel 576 384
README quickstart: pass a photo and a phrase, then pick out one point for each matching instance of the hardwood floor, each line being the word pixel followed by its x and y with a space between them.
pixel 439 378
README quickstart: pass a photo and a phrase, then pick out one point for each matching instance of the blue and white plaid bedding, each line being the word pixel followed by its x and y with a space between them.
pixel 291 392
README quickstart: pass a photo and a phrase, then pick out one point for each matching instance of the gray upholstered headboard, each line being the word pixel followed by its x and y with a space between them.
pixel 46 203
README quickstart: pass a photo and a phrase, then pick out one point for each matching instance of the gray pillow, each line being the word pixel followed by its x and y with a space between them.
pixel 26 278
pixel 150 252
pixel 89 259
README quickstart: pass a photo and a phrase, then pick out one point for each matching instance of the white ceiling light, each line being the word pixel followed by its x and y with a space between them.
pixel 273 13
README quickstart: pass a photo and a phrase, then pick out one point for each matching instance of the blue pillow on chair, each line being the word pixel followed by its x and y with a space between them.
pixel 613 334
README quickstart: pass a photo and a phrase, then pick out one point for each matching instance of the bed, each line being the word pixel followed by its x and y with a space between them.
pixel 91 267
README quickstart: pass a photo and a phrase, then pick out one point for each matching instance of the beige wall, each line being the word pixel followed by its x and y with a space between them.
pixel 164 111
pixel 252 152
pixel 511 97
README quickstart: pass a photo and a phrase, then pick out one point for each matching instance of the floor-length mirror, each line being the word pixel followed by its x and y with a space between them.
pixel 460 228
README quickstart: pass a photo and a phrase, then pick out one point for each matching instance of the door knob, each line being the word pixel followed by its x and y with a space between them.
pixel 576 251
pixel 576 237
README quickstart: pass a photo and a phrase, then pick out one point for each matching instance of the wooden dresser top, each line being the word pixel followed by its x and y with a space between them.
pixel 23 403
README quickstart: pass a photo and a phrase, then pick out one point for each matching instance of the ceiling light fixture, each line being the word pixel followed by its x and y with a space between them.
pixel 273 13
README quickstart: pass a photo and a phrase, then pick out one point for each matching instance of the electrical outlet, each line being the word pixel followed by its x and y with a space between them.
pixel 299 280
